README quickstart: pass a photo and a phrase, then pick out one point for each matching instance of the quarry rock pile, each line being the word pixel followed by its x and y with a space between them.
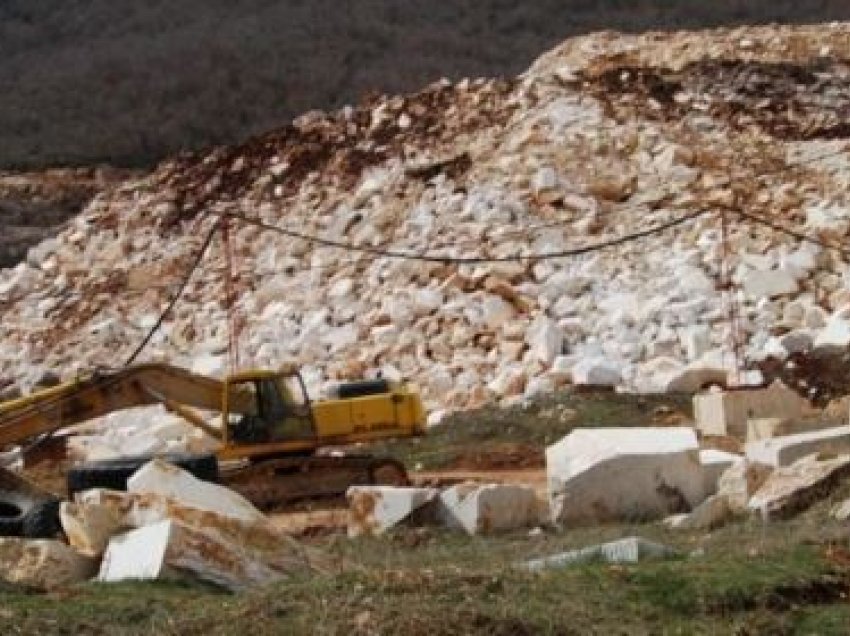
pixel 605 136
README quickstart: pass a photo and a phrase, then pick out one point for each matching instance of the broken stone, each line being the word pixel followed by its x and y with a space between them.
pixel 161 478
pixel 234 556
pixel 841 511
pixel 760 284
pixel 628 550
pixel 376 509
pixel 596 372
pixel 783 451
pixel 43 564
pixel 623 474
pixel 488 508
pixel 836 333
pixel 740 482
pixel 791 489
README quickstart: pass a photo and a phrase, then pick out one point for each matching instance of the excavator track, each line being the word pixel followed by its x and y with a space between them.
pixel 271 482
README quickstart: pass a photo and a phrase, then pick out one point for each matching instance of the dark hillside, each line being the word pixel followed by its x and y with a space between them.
pixel 128 82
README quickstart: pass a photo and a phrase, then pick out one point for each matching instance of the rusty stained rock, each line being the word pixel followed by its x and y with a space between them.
pixel 791 489
pixel 43 564
pixel 374 510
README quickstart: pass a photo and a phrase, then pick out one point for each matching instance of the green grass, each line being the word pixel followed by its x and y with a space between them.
pixel 788 577
pixel 746 578
pixel 531 427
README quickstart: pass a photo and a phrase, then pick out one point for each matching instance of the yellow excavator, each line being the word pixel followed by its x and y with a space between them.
pixel 274 443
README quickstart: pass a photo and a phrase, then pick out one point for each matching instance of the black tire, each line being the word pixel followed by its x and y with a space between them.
pixel 42 520
pixel 13 509
pixel 384 471
pixel 24 514
pixel 113 474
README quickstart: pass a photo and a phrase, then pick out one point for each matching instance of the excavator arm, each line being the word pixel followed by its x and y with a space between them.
pixel 98 394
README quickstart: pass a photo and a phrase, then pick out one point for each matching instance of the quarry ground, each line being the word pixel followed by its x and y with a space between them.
pixel 746 578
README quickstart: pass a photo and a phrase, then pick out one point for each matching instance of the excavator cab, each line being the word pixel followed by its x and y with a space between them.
pixel 263 408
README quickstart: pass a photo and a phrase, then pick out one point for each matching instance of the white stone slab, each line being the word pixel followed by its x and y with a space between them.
pixel 783 451
pixel 628 550
pixel 624 473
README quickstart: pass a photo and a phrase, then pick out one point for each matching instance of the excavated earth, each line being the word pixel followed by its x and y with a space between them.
pixel 604 136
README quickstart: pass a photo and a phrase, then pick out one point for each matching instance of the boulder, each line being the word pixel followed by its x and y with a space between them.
pixel 628 550
pixel 232 556
pixel 596 372
pixel 487 508
pixel 791 489
pixel 376 509
pixel 693 378
pixel 783 451
pixel 161 478
pixel 544 339
pixel 43 564
pixel 759 284
pixel 841 511
pixel 624 474
pixel 836 333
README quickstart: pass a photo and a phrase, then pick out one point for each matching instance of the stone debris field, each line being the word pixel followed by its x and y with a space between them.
pixel 640 214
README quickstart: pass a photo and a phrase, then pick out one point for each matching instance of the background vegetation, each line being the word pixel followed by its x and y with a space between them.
pixel 127 83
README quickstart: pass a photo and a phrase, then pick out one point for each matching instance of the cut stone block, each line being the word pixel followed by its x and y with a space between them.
pixel 43 564
pixel 791 489
pixel 488 508
pixel 232 556
pixel 727 412
pixel 783 451
pixel 161 478
pixel 623 473
pixel 628 550
pixel 376 509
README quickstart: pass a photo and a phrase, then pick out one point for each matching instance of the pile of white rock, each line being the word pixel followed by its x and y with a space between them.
pixel 543 165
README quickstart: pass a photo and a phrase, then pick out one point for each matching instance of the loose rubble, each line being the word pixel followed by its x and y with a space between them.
pixel 605 135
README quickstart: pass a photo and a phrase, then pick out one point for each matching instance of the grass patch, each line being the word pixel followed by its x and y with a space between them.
pixel 449 583
pixel 515 437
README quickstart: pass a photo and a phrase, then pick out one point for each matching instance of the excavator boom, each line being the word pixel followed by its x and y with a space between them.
pixel 98 394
